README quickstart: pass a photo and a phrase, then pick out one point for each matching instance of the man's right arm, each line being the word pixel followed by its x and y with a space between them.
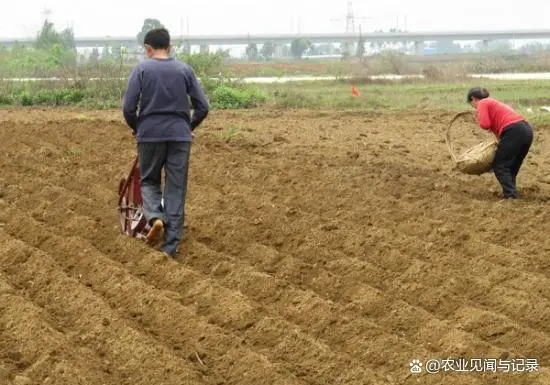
pixel 198 99
pixel 131 99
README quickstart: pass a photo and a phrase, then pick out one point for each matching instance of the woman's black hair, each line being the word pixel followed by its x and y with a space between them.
pixel 478 93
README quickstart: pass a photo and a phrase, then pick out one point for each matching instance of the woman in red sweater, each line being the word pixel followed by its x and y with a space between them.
pixel 515 137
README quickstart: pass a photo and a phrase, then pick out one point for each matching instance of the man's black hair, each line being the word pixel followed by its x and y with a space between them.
pixel 478 93
pixel 158 38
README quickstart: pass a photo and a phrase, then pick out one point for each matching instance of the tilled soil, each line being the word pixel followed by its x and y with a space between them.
pixel 320 247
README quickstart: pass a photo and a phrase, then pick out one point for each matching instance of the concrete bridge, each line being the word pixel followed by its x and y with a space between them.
pixel 205 40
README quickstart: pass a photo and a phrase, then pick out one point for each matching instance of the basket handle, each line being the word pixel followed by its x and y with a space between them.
pixel 448 133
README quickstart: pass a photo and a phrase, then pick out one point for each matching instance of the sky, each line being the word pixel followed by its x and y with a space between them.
pixel 23 18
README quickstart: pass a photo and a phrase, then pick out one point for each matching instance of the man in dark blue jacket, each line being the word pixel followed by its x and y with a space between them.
pixel 161 87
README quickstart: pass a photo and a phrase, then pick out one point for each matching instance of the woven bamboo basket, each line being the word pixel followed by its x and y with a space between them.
pixel 476 160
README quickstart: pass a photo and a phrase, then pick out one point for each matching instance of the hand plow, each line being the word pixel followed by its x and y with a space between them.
pixel 130 205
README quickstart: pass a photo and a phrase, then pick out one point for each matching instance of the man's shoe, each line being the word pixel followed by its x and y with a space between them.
pixel 156 233
pixel 168 254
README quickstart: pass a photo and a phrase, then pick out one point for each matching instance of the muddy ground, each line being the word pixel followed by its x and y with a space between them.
pixel 320 247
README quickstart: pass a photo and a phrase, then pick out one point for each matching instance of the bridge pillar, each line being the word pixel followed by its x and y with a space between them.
pixel 485 45
pixel 204 48
pixel 186 47
pixel 419 47
pixel 278 52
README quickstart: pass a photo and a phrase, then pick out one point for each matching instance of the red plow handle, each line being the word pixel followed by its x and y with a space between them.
pixel 127 182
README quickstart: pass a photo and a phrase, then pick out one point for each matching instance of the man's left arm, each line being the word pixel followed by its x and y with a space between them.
pixel 131 99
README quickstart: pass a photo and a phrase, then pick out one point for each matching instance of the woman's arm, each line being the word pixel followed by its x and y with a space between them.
pixel 483 117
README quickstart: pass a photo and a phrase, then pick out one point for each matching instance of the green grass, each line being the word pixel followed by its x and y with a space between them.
pixel 410 95
pixel 228 134
pixel 375 96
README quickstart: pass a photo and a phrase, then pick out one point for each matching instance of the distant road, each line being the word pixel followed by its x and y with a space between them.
pixel 99 41
pixel 284 79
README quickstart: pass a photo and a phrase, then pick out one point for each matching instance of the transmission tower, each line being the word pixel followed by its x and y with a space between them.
pixel 350 18
pixel 46 13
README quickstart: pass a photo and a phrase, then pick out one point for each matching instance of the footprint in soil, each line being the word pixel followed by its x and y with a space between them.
pixel 329 227
pixel 281 139
pixel 22 380
pixel 205 240
pixel 17 359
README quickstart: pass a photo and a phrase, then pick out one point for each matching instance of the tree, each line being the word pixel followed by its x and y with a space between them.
pixel 116 51
pixel 285 50
pixel 148 25
pixel 185 48
pixel 252 51
pixel 49 37
pixel 106 52
pixel 267 51
pixel 206 63
pixel 326 49
pixel 298 47
pixel 534 47
pixel 501 46
pixel 67 39
pixel 94 56
pixel 361 47
pixel 60 57
pixel 447 46
pixel 384 44
pixel 345 50
pixel 56 55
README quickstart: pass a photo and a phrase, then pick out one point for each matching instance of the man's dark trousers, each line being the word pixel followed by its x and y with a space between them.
pixel 514 144
pixel 174 157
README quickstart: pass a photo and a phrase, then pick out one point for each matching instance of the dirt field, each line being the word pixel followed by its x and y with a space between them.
pixel 320 248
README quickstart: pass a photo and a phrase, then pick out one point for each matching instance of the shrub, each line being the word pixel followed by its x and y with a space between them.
pixel 25 99
pixel 226 96
pixel 291 98
pixel 5 100
pixel 205 63
pixel 432 72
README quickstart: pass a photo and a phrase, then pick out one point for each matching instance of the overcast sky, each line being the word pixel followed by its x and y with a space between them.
pixel 22 18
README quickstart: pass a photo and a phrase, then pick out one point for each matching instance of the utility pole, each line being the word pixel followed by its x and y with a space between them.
pixel 185 41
